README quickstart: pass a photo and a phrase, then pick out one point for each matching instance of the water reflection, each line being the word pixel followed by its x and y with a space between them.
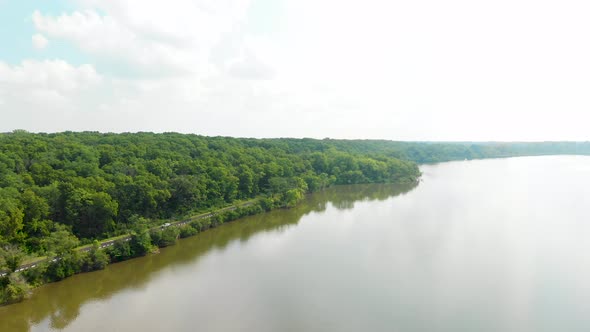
pixel 56 305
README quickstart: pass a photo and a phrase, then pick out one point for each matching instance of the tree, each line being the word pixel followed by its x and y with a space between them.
pixel 141 243
pixel 246 186
pixel 11 218
pixel 11 257
pixel 186 193
pixel 90 213
pixel 59 242
pixel 166 237
pixel 13 289
pixel 292 197
pixel 35 207
pixel 120 251
pixel 95 258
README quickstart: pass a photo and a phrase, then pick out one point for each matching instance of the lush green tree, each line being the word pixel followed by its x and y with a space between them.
pixel 11 258
pixel 64 266
pixel 59 242
pixel 94 259
pixel 94 213
pixel 292 197
pixel 120 251
pixel 13 288
pixel 11 217
pixel 141 243
pixel 56 188
pixel 95 185
pixel 246 186
pixel 187 230
pixel 165 237
pixel 187 192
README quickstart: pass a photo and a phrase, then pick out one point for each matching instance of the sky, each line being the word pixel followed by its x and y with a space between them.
pixel 421 70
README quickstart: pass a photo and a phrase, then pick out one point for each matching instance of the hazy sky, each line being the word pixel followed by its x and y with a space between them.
pixel 404 70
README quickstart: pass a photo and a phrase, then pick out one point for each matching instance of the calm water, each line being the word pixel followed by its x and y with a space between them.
pixel 491 245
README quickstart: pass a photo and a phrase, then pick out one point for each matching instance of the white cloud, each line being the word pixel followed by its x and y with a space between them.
pixel 46 95
pixel 250 67
pixel 56 75
pixel 167 39
pixel 105 37
pixel 418 70
pixel 45 84
pixel 39 41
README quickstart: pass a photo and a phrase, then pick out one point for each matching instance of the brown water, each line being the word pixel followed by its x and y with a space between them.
pixel 491 245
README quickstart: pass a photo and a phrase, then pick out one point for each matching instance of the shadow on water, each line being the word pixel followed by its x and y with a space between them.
pixel 60 302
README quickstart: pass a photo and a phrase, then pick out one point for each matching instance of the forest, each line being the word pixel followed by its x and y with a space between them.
pixel 63 190
pixel 59 191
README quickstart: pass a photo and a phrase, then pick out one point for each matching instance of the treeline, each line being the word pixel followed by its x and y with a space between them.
pixel 70 260
pixel 75 188
pixel 99 184
pixel 59 316
pixel 432 152
pixel 58 191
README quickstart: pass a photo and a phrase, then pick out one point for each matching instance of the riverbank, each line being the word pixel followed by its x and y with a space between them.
pixel 92 257
pixel 87 258
pixel 471 234
pixel 31 263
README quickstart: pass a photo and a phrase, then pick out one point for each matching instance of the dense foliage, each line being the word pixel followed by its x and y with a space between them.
pixel 98 184
pixel 77 187
pixel 58 191
pixel 70 260
pixel 431 152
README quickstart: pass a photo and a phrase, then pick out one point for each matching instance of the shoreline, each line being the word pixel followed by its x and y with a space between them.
pixel 199 223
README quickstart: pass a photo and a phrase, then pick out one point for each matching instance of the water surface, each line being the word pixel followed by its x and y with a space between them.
pixel 489 245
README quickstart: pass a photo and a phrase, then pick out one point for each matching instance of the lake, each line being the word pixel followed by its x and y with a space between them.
pixel 485 245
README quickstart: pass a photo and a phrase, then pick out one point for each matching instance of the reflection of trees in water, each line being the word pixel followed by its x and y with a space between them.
pixel 61 302
pixel 344 197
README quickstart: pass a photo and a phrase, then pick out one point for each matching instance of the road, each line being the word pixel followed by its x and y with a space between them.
pixel 109 243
